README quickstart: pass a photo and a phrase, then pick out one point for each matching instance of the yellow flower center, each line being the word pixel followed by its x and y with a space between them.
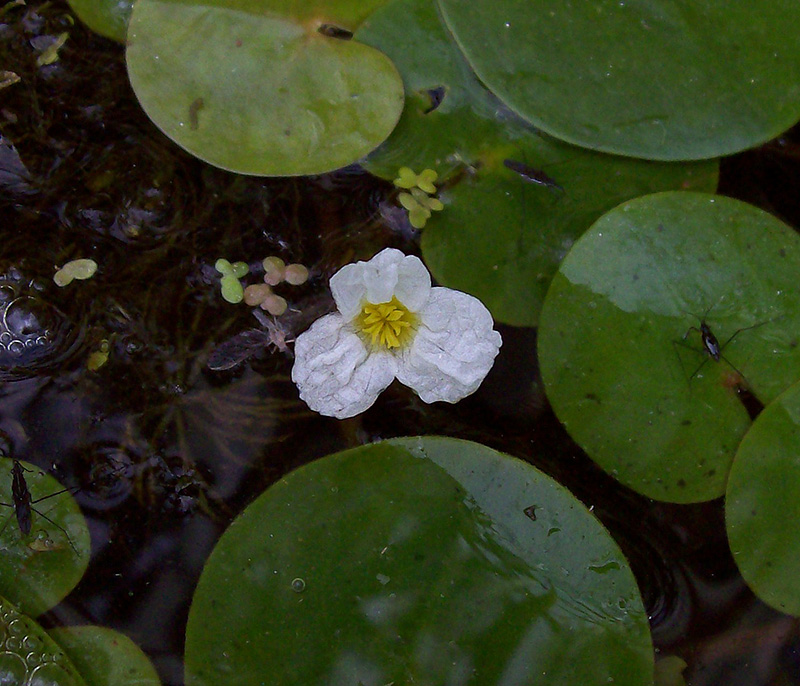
pixel 390 325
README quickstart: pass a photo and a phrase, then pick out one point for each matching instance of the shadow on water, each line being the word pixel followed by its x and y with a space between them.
pixel 166 451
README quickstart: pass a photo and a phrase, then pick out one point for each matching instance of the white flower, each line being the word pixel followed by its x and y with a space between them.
pixel 392 324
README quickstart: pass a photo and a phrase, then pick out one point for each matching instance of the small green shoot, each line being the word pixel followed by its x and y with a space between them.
pixel 419 206
pixel 419 201
pixel 425 180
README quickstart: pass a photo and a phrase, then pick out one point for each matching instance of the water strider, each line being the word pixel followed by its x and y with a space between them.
pixel 712 349
pixel 23 503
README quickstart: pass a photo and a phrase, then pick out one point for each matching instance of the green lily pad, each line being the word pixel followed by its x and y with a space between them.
pixel 105 657
pixel 420 560
pixel 28 656
pixel 263 86
pixel 501 236
pixel 39 569
pixel 672 80
pixel 109 18
pixel 761 505
pixel 620 346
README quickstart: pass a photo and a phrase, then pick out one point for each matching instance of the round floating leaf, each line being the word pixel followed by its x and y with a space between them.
pixel 518 199
pixel 38 569
pixel 425 560
pixel 262 87
pixel 28 655
pixel 761 505
pixel 109 18
pixel 105 657
pixel 501 237
pixel 621 347
pixel 672 80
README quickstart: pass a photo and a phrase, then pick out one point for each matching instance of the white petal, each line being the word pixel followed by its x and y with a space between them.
pixel 413 283
pixel 380 275
pixel 454 348
pixel 349 289
pixel 387 275
pixel 335 373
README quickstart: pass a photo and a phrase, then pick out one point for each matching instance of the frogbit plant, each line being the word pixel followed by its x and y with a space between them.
pixel 391 324
pixel 418 201
pixel 276 271
pixel 232 290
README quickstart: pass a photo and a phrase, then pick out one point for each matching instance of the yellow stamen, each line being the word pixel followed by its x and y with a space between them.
pixel 390 325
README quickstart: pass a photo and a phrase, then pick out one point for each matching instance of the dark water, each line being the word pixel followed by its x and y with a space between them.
pixel 167 452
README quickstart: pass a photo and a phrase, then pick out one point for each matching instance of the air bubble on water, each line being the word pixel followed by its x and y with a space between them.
pixel 298 585
pixel 32 643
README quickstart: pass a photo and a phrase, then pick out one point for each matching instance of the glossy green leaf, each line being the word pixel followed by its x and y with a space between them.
pixel 105 657
pixel 258 86
pixel 761 505
pixel 38 570
pixel 109 18
pixel 442 138
pixel 620 347
pixel 421 560
pixel 668 80
pixel 28 656
pixel 500 236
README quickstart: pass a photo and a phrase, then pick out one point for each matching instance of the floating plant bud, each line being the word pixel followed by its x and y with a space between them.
pixel 425 180
pixel 76 269
pixel 419 206
pixel 275 305
pixel 232 290
pixel 274 268
pixel 261 294
pixel 97 358
pixel 391 324
pixel 295 274
pixel 418 201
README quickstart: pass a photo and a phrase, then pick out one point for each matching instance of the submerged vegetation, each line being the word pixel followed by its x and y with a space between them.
pixel 173 419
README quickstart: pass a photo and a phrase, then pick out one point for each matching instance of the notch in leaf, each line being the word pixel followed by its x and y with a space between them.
pixel 435 96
